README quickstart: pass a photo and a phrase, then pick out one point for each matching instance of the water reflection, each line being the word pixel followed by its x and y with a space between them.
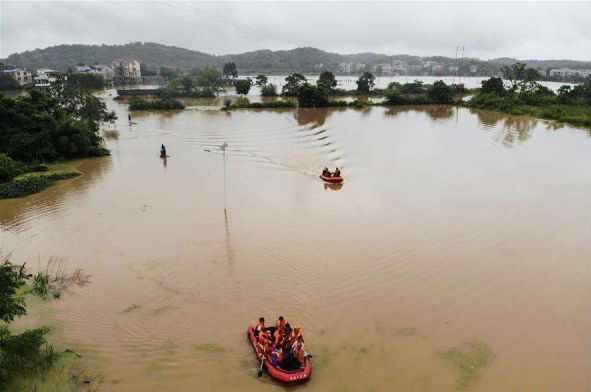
pixel 511 128
pixel 435 112
pixel 333 187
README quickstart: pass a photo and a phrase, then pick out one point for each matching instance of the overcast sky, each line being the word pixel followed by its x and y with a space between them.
pixel 542 30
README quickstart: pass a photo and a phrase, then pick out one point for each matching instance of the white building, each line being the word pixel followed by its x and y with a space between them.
pixel 473 69
pixel 345 67
pixel 584 72
pixel 21 75
pixel 562 72
pixel 437 68
pixel 126 69
pixel 45 77
pixel 387 69
pixel 429 64
pixel 415 69
pixel 359 66
pixel 454 69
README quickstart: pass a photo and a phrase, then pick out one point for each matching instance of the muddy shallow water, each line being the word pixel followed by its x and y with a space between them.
pixel 451 225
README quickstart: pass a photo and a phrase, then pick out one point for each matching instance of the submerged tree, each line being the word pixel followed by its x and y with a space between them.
pixel 230 70
pixel 327 80
pixel 261 80
pixel 243 86
pixel 365 83
pixel 293 84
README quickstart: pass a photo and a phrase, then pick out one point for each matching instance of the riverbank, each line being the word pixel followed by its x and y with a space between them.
pixel 37 181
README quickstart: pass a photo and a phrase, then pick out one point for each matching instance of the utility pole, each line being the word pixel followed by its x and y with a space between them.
pixel 461 65
pixel 223 148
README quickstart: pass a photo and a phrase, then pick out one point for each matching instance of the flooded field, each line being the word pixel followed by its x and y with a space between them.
pixel 454 257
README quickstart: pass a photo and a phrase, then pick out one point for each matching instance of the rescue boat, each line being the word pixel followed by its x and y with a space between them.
pixel 332 180
pixel 287 377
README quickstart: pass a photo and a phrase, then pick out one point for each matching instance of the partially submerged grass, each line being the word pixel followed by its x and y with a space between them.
pixel 51 281
pixel 406 331
pixel 208 347
pixel 479 355
pixel 33 183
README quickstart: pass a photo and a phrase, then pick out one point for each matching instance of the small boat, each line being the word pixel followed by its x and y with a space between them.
pixel 285 376
pixel 332 180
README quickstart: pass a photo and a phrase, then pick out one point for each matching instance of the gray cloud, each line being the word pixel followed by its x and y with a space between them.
pixel 544 30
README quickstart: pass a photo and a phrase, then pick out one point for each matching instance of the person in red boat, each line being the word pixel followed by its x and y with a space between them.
pixel 280 324
pixel 277 356
pixel 299 351
pixel 337 172
pixel 326 172
pixel 294 336
pixel 260 326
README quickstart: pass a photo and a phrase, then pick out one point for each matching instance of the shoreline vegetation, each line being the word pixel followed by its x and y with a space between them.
pixel 40 130
pixel 28 360
pixel 518 94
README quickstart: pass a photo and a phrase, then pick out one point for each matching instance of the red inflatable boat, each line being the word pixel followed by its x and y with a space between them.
pixel 287 377
pixel 332 180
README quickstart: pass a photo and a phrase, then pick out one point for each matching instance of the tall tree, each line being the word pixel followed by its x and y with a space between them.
pixel 243 86
pixel 365 83
pixel 293 84
pixel 328 80
pixel 261 80
pixel 230 70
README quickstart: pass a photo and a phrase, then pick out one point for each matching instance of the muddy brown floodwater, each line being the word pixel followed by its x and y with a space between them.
pixel 455 231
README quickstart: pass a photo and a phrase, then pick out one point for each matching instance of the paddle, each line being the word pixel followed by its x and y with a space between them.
pixel 262 362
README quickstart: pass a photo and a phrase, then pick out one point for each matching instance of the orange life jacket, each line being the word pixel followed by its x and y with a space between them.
pixel 281 324
pixel 259 325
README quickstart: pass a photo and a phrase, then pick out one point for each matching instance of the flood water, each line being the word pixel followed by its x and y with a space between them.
pixel 451 225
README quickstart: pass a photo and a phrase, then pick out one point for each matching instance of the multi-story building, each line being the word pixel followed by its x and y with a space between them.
pixel 562 72
pixel 104 70
pixel 437 69
pixel 473 69
pixel 359 67
pixel 584 72
pixel 126 70
pixel 45 77
pixel 387 69
pixel 415 69
pixel 21 75
pixel 346 67
pixel 454 69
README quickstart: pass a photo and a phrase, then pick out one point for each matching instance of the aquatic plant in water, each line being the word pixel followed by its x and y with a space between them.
pixel 479 355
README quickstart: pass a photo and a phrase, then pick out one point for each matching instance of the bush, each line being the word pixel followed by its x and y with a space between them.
pixel 9 168
pixel 138 103
pixel 312 97
pixel 29 184
pixel 440 93
pixel 492 85
pixel 243 86
pixel 269 90
pixel 415 87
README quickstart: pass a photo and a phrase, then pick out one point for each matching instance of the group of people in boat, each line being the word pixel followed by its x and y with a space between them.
pixel 285 345
pixel 327 173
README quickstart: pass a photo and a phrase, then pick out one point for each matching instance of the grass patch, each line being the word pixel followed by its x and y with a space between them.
pixel 33 183
pixel 208 348
pixel 479 355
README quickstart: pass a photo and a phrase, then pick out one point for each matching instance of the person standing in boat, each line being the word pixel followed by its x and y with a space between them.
pixel 299 351
pixel 337 172
pixel 326 172
pixel 260 326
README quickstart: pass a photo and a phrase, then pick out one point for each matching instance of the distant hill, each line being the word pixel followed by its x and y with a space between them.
pixel 155 55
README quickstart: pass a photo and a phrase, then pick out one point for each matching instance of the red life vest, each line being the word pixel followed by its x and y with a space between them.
pixel 281 324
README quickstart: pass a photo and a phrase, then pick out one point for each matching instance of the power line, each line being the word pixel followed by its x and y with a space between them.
pixel 235 23
pixel 184 21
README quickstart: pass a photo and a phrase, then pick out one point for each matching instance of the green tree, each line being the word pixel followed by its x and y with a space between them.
pixel 261 80
pixel 440 93
pixel 492 85
pixel 312 97
pixel 293 84
pixel 531 74
pixel 415 87
pixel 243 86
pixel 514 74
pixel 210 78
pixel 269 90
pixel 7 82
pixel 229 70
pixel 365 83
pixel 328 80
